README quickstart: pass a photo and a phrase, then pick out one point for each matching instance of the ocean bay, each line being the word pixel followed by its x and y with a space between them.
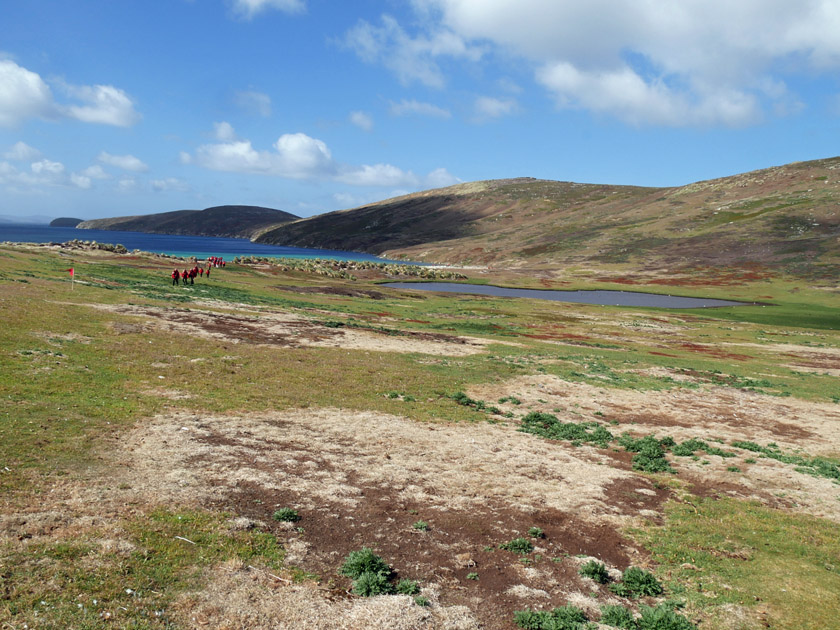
pixel 172 244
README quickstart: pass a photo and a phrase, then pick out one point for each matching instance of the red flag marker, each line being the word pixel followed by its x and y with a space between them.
pixel 70 270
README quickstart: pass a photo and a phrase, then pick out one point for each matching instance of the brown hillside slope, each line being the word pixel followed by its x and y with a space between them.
pixel 229 221
pixel 787 215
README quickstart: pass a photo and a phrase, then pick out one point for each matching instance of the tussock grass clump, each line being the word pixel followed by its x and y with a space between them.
pixel 564 618
pixel 636 582
pixel 596 571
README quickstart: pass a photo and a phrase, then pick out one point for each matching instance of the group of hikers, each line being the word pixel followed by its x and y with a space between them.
pixel 189 275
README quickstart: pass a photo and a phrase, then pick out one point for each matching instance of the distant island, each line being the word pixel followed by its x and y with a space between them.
pixel 225 221
pixel 65 222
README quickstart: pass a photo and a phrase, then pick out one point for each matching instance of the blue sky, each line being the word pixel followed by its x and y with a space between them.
pixel 116 108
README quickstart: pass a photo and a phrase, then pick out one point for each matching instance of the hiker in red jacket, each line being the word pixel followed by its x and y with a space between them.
pixel 175 276
pixel 184 275
pixel 208 272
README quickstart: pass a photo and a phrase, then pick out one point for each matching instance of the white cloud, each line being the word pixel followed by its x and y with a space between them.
pixel 42 174
pixel 22 152
pixel 249 8
pixel 299 156
pixel 47 167
pixel 407 108
pixel 95 172
pixel 412 59
pixel 302 156
pixel 488 107
pixel 223 131
pixel 440 178
pixel 362 120
pixel 296 156
pixel 23 94
pixel 169 183
pixel 626 95
pixel 696 62
pixel 127 184
pixel 255 103
pixel 378 175
pixel 105 105
pixel 125 162
pixel 80 181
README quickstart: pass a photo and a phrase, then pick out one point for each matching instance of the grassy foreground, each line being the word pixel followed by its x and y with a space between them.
pixel 743 538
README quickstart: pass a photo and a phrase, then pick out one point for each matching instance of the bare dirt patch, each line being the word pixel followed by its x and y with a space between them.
pixel 290 330
pixel 364 479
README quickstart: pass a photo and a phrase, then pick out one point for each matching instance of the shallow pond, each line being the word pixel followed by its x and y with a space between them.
pixel 604 298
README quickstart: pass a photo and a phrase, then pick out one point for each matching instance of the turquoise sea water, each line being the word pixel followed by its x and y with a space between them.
pixel 184 246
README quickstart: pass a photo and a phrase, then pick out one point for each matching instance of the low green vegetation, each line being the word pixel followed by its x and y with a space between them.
pixel 563 618
pixel 373 576
pixel 521 546
pixel 596 571
pixel 289 515
pixel 636 582
pixel 725 552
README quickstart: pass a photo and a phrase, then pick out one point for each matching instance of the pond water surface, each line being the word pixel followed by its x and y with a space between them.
pixel 603 298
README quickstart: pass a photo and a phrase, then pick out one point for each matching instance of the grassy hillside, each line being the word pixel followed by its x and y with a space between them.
pixel 230 221
pixel 215 455
pixel 785 216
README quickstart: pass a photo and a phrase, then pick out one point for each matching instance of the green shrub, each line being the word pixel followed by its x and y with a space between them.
pixel 407 587
pixel 636 582
pixel 618 617
pixel 536 532
pixel 472 576
pixel 662 617
pixel 565 618
pixel 364 561
pixel 422 526
pixel 595 570
pixel 421 601
pixel 286 514
pixel 548 426
pixel 372 583
pixel 518 545
pixel 650 453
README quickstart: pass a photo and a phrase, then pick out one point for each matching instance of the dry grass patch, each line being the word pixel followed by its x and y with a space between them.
pixel 709 413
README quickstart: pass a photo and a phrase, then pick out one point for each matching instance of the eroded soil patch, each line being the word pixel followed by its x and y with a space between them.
pixel 714 414
pixel 290 330
pixel 365 479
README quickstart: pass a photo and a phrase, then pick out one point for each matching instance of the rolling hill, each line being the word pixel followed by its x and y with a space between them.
pixel 230 221
pixel 783 216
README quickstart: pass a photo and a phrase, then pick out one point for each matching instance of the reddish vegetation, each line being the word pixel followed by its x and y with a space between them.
pixel 714 352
